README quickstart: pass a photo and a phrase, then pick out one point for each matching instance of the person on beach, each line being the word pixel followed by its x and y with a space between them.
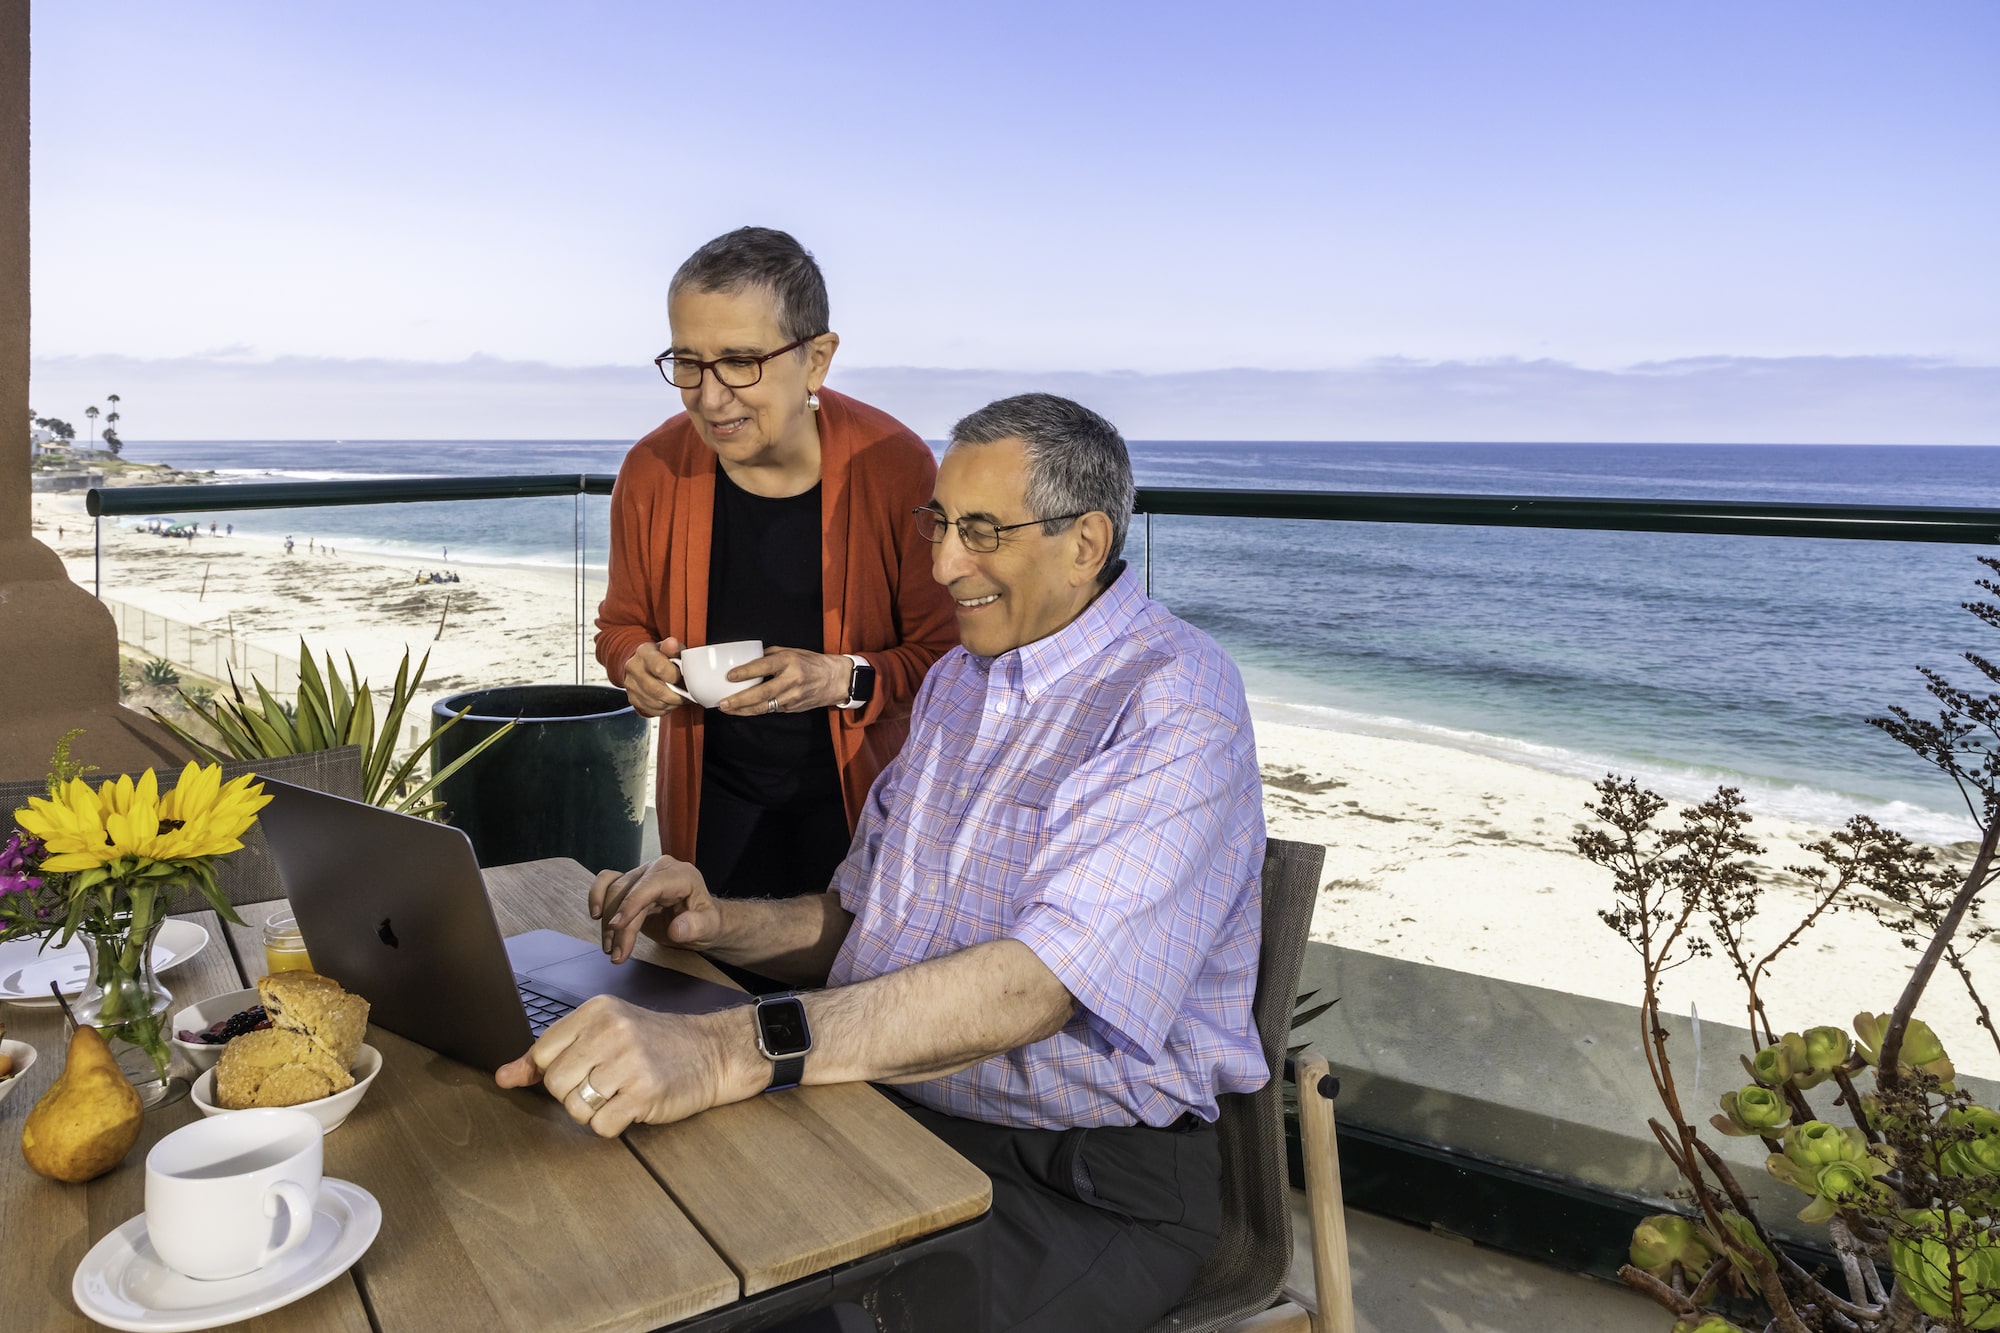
pixel 1047 931
pixel 288 546
pixel 776 510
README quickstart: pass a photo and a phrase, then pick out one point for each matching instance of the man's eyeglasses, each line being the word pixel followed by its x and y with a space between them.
pixel 732 372
pixel 978 535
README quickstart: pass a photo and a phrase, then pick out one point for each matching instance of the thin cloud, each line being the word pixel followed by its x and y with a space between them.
pixel 1709 399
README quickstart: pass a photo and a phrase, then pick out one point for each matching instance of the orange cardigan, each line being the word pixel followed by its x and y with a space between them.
pixel 875 576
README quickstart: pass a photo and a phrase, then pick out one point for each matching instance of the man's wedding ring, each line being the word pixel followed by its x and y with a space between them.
pixel 773 708
pixel 591 1096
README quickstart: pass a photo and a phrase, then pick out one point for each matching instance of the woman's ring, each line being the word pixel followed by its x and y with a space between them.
pixel 591 1096
pixel 773 708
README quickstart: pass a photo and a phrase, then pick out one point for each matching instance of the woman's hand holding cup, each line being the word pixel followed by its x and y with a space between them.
pixel 650 675
pixel 798 682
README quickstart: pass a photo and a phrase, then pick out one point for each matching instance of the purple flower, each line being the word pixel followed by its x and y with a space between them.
pixel 20 855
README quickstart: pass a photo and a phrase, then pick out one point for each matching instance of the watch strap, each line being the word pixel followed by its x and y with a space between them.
pixel 860 664
pixel 786 1073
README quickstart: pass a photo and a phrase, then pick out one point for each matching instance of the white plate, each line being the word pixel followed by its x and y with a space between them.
pixel 26 969
pixel 123 1284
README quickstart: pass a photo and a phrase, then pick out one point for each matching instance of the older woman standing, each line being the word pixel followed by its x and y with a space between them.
pixel 771 509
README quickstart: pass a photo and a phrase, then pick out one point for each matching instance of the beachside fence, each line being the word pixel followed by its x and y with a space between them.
pixel 1436 1129
pixel 205 652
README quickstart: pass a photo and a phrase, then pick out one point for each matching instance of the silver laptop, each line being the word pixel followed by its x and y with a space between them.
pixel 395 910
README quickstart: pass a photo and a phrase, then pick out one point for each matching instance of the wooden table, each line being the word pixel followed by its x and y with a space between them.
pixel 498 1212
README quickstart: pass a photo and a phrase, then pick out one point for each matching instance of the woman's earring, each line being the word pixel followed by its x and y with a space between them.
pixel 812 401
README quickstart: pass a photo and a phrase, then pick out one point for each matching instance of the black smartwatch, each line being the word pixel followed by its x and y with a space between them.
pixel 861 685
pixel 784 1037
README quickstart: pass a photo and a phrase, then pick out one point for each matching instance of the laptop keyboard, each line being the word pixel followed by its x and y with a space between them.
pixel 542 1009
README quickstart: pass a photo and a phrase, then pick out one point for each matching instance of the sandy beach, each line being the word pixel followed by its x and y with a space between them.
pixel 1434 854
pixel 499 625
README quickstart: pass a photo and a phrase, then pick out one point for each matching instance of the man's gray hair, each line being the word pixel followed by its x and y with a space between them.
pixel 761 257
pixel 1077 461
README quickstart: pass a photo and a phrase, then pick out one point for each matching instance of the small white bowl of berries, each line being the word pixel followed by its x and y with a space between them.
pixel 202 1030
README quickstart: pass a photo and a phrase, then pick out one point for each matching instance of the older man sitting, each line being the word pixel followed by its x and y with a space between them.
pixel 1046 931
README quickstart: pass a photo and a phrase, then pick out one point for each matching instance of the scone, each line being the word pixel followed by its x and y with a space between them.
pixel 315 1006
pixel 273 1067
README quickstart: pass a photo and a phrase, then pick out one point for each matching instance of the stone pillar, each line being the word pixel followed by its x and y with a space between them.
pixel 58 646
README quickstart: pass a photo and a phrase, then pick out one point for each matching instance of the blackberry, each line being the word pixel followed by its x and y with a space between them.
pixel 222 1030
pixel 249 1020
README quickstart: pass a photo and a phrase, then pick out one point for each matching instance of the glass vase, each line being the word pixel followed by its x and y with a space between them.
pixel 123 998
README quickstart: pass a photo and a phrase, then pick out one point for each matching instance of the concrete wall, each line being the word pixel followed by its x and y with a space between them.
pixel 58 650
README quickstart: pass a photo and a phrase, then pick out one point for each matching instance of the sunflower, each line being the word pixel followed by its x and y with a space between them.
pixel 126 820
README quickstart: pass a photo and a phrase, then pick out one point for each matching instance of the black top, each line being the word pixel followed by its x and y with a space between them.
pixel 764 583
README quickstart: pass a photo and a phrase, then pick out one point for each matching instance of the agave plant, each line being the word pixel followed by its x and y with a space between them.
pixel 331 712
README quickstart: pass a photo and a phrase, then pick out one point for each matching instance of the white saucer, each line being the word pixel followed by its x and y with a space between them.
pixel 26 969
pixel 121 1283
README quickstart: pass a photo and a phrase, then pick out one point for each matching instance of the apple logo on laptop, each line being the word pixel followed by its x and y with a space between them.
pixel 387 935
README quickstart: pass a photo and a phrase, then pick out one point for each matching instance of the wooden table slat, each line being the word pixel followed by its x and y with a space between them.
pixel 797 1182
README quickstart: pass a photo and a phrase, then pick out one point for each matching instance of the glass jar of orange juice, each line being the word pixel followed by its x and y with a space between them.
pixel 284 946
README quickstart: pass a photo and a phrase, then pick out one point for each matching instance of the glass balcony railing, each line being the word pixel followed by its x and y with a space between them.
pixel 1436 681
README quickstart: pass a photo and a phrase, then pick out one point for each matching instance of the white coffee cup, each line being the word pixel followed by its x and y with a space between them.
pixel 216 1188
pixel 705 671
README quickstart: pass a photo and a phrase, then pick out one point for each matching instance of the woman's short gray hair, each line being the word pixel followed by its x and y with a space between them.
pixel 1077 460
pixel 761 257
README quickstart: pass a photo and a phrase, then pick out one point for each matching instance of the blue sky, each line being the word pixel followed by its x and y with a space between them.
pixel 1069 187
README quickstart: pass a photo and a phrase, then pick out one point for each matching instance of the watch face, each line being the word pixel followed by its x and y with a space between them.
pixel 862 688
pixel 782 1026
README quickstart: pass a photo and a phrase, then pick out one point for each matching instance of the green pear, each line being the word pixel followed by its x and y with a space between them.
pixel 88 1119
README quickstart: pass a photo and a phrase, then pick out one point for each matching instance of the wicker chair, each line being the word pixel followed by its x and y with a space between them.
pixel 1247 1270
pixel 246 876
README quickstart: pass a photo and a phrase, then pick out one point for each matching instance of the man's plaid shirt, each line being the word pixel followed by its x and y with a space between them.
pixel 1094 795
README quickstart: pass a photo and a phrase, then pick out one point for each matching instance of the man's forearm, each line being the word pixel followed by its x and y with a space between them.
pixel 917 1023
pixel 793 940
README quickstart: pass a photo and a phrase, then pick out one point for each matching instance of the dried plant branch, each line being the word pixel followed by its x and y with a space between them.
pixel 1958 964
pixel 1920 975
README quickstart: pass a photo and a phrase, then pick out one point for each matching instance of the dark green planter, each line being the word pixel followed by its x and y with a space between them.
pixel 569 780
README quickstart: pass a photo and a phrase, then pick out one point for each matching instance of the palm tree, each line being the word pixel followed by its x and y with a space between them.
pixel 112 419
pixel 92 413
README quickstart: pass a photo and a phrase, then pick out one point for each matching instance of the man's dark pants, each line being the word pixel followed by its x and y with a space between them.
pixel 1093 1230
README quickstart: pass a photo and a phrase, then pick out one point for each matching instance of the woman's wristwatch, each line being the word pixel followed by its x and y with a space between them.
pixel 861 685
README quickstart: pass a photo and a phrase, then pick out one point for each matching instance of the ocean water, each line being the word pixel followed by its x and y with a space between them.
pixel 1688 660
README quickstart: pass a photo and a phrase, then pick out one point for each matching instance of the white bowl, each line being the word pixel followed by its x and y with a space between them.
pixel 198 1016
pixel 329 1111
pixel 24 1060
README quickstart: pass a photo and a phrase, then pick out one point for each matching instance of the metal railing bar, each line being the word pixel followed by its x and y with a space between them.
pixel 131 500
pixel 1909 523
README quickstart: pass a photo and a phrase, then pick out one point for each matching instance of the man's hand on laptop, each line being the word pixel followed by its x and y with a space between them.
pixel 612 1064
pixel 670 894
